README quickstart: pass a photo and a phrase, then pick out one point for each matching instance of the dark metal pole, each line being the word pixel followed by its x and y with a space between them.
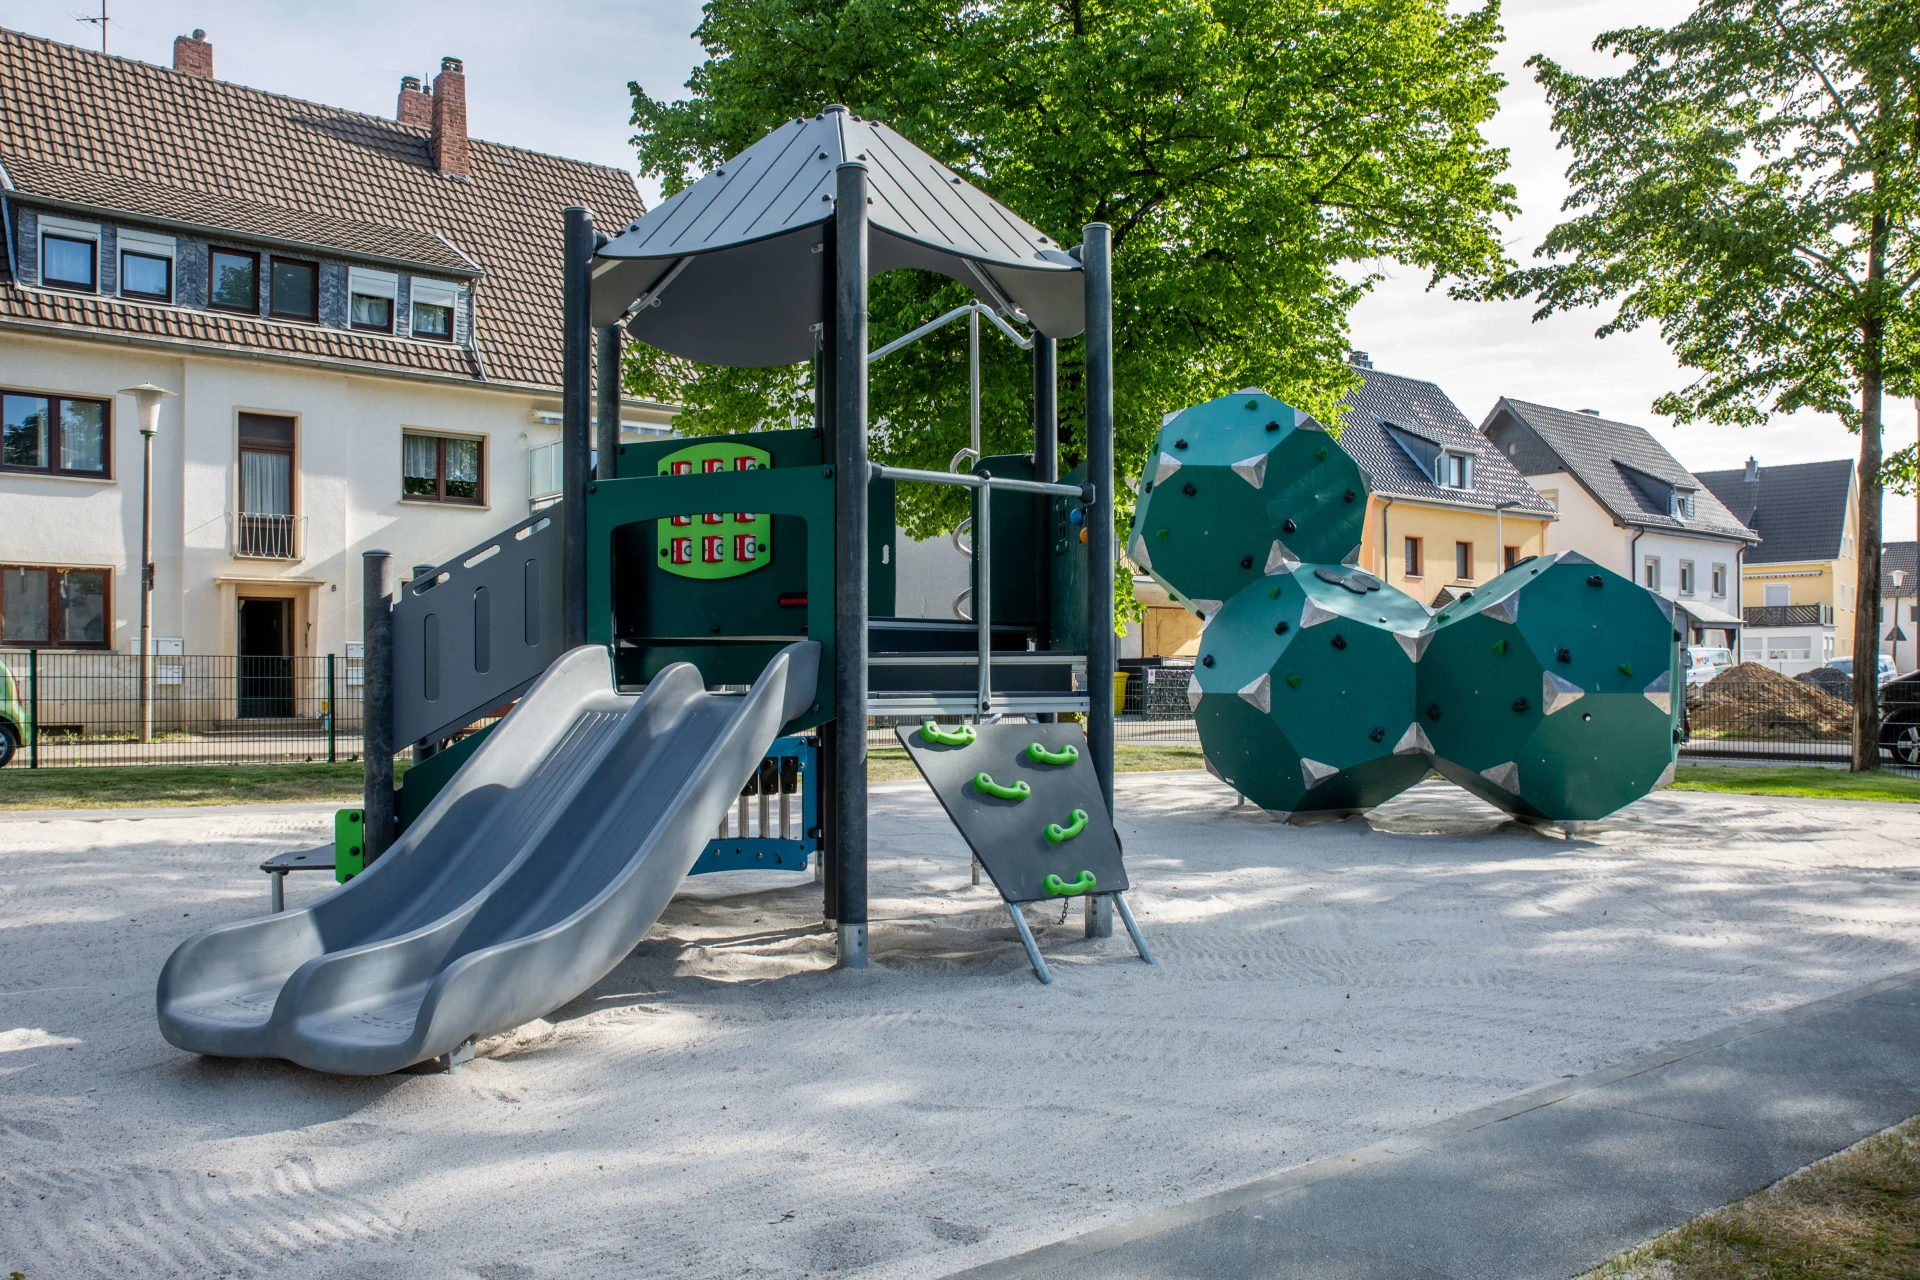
pixel 1096 257
pixel 606 402
pixel 1046 467
pixel 826 793
pixel 333 714
pixel 33 708
pixel 376 701
pixel 850 560
pixel 576 400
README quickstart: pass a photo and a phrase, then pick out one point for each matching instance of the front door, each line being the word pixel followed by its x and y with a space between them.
pixel 266 659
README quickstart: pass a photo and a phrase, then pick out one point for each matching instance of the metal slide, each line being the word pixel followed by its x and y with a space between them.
pixel 538 867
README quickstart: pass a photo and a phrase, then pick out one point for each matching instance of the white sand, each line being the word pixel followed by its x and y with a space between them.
pixel 724 1105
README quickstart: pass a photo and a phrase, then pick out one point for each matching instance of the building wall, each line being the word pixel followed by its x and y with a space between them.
pixel 1439 528
pixel 347 485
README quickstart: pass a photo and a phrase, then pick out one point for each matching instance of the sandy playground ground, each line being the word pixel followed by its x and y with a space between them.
pixel 724 1104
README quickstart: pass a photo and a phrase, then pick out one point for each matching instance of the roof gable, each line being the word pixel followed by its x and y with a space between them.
pixel 1385 401
pixel 1799 510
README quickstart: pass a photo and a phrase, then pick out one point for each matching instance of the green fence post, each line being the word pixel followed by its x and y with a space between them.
pixel 33 708
pixel 333 715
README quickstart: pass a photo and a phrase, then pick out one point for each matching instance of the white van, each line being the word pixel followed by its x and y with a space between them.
pixel 1704 662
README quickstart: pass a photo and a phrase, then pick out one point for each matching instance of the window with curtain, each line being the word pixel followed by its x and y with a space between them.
pixel 442 468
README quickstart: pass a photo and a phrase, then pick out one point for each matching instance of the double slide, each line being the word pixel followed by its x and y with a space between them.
pixel 541 864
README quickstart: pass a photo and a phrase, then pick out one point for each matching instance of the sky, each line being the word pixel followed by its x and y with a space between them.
pixel 553 77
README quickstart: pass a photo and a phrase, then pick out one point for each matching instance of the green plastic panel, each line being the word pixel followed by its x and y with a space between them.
pixel 710 545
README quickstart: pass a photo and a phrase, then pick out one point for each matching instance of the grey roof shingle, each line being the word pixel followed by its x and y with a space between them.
pixel 1905 558
pixel 1423 409
pixel 1799 509
pixel 1621 465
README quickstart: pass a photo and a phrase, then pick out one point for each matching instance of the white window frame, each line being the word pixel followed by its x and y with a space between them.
pixel 1768 590
pixel 374 284
pixel 1650 573
pixel 1719 581
pixel 146 244
pixel 1687 583
pixel 68 229
pixel 434 293
pixel 1450 461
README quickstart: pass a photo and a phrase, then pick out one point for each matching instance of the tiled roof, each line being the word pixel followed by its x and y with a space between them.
pixel 1621 465
pixel 1424 410
pixel 1799 510
pixel 1904 557
pixel 87 128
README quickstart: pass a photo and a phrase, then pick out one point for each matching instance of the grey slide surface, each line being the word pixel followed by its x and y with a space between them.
pixel 539 866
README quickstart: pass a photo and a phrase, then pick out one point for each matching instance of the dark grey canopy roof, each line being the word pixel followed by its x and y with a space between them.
pixel 730 271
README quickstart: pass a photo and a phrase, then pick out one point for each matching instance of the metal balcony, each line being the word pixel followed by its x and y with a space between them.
pixel 1788 615
pixel 267 537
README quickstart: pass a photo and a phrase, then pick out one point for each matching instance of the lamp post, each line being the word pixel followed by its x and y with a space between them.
pixel 146 398
pixel 1499 542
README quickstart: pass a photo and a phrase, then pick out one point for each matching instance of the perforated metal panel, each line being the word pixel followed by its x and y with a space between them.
pixel 478 630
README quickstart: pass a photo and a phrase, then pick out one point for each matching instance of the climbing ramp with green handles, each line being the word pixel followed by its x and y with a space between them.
pixel 1028 802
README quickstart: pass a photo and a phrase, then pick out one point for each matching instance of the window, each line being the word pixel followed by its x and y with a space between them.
pixel 1510 556
pixel 433 309
pixel 1686 577
pixel 53 434
pixel 265 527
pixel 370 299
pixel 1456 471
pixel 233 281
pixel 1650 573
pixel 1790 648
pixel 1414 558
pixel 69 254
pixel 1680 505
pixel 1463 561
pixel 1552 496
pixel 1720 580
pixel 296 290
pixel 543 473
pixel 44 607
pixel 441 469
pixel 146 266
pixel 1778 594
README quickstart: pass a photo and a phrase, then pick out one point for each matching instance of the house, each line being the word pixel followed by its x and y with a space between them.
pixel 358 320
pixel 1797 585
pixel 1628 504
pixel 1900 604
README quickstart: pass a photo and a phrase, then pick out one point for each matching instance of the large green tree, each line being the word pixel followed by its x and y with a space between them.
pixel 1749 185
pixel 1259 161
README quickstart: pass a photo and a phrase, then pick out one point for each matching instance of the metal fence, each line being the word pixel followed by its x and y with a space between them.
pixel 1754 713
pixel 88 709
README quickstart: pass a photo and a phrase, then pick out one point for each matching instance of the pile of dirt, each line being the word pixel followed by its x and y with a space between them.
pixel 1753 701
pixel 1836 684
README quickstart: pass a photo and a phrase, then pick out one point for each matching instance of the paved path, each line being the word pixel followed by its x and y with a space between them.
pixel 1553 1182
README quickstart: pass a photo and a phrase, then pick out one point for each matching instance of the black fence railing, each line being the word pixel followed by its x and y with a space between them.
pixel 76 708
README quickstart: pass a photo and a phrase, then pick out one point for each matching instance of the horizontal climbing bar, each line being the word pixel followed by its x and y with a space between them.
pixel 972 480
pixel 1043 658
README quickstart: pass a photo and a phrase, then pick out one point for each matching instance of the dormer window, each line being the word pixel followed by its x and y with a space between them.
pixel 371 298
pixel 296 290
pixel 1456 471
pixel 433 309
pixel 233 281
pixel 1680 505
pixel 69 254
pixel 146 266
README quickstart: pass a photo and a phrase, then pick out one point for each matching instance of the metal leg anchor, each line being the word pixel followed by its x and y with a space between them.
pixel 851 946
pixel 276 891
pixel 1033 949
pixel 462 1054
pixel 1099 915
pixel 1139 943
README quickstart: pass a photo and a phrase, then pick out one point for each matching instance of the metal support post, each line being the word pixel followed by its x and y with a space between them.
pixel 824 792
pixel 33 708
pixel 606 403
pixel 576 401
pixel 1099 915
pixel 983 597
pixel 1026 940
pixel 1046 469
pixel 1096 258
pixel 850 562
pixel 333 713
pixel 376 702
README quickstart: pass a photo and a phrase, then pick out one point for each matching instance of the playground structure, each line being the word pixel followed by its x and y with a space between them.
pixel 519 863
pixel 1552 691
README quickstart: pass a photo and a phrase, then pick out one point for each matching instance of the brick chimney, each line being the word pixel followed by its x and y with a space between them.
pixel 193 55
pixel 450 119
pixel 416 105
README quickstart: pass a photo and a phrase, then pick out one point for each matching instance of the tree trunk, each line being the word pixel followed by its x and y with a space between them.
pixel 1866 592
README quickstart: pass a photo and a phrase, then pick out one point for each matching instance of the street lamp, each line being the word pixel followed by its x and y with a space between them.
pixel 146 398
pixel 1499 543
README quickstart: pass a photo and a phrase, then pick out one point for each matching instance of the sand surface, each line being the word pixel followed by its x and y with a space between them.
pixel 723 1104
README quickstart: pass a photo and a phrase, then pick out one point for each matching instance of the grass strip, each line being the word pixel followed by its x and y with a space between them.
pixel 1797 780
pixel 155 786
pixel 1852 1215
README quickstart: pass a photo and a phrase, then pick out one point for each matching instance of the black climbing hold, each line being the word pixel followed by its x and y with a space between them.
pixel 1676 735
pixel 1433 711
pixel 1179 444
pixel 1378 734
pixel 1279 628
pixel 1289 527
pixel 1595 580
pixel 1520 705
pixel 1339 641
pixel 1246 562
pixel 1147 487
pixel 1563 655
pixel 1351 495
pixel 1207 661
pixel 1272 425
pixel 1188 488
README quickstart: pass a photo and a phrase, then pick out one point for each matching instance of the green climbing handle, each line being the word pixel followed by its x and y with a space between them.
pixel 1068 888
pixel 1057 834
pixel 961 737
pixel 985 784
pixel 1040 755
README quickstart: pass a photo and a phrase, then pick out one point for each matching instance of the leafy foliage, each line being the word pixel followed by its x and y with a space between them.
pixel 1256 159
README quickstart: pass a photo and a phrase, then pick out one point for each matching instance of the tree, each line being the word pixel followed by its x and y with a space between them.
pixel 1256 158
pixel 1749 184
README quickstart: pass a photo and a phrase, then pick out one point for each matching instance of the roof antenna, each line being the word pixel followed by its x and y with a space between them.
pixel 100 22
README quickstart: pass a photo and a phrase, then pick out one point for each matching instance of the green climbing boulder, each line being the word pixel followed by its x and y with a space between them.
pixel 1554 691
pixel 1239 488
pixel 1304 691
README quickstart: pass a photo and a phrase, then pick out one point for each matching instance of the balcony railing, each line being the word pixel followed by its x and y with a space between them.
pixel 1788 615
pixel 267 537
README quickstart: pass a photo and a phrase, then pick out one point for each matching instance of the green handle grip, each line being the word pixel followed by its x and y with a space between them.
pixel 1068 888
pixel 961 737
pixel 1057 834
pixel 985 784
pixel 1040 755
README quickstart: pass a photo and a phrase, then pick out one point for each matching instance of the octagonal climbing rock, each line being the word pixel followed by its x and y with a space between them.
pixel 1555 691
pixel 1304 691
pixel 1238 488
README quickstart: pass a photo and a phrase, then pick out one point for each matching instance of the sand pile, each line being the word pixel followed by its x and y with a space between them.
pixel 1750 700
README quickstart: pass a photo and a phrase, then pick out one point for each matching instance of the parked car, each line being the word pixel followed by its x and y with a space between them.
pixel 1900 718
pixel 1704 662
pixel 14 724
pixel 1845 667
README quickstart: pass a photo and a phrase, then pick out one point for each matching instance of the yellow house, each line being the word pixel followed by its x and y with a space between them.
pixel 1797 586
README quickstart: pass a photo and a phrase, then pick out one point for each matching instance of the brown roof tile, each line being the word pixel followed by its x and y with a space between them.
pixel 88 128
